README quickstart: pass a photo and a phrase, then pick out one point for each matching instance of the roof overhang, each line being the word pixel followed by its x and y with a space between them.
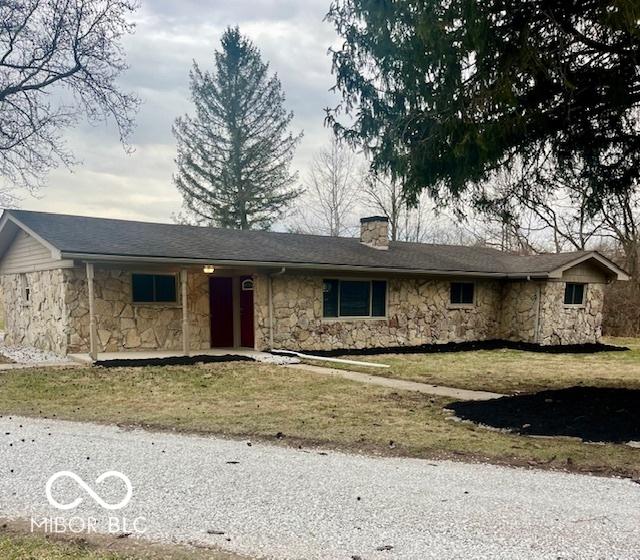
pixel 9 227
pixel 178 261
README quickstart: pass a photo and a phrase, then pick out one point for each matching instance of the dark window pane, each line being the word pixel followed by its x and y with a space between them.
pixel 574 294
pixel 379 298
pixel 142 287
pixel 461 292
pixel 165 288
pixel 467 292
pixel 330 298
pixel 355 298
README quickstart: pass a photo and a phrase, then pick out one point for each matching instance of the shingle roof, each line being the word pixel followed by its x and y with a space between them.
pixel 75 235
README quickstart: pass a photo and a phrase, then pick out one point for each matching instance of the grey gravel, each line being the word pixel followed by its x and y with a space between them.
pixel 30 355
pixel 282 503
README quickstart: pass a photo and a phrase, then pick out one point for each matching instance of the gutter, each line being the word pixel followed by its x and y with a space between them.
pixel 95 257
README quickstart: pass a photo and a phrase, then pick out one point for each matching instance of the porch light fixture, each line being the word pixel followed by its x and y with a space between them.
pixel 208 269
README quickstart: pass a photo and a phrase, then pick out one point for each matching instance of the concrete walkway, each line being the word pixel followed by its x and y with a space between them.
pixel 279 503
pixel 400 384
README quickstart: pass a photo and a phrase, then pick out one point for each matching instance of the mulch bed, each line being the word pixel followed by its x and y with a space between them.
pixel 472 346
pixel 591 413
pixel 172 361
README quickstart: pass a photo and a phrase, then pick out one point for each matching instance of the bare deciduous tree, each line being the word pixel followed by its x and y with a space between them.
pixel 406 222
pixel 59 60
pixel 333 187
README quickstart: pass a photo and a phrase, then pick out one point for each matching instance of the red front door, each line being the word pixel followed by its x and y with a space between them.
pixel 246 312
pixel 221 312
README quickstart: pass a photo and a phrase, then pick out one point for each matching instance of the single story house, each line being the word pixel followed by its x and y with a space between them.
pixel 75 284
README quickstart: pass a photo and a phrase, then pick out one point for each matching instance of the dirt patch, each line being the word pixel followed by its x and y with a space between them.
pixel 593 414
pixel 473 346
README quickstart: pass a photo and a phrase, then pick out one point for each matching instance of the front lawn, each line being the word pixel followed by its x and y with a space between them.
pixel 287 406
pixel 511 371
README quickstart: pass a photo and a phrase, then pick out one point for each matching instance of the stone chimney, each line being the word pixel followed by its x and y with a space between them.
pixel 374 232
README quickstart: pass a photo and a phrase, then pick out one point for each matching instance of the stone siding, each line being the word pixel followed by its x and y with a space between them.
pixel 375 233
pixel 123 325
pixel 418 312
pixel 556 323
pixel 560 324
pixel 519 311
pixel 57 316
pixel 41 322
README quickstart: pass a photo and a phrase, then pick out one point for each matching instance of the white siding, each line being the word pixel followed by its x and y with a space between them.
pixel 26 254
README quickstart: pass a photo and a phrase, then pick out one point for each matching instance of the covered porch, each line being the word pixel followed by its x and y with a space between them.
pixel 132 309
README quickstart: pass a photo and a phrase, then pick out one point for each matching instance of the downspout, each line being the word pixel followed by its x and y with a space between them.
pixel 271 276
pixel 536 332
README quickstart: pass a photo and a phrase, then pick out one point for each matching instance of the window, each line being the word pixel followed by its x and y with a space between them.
pixel 462 293
pixel 25 290
pixel 354 298
pixel 247 285
pixel 573 294
pixel 154 288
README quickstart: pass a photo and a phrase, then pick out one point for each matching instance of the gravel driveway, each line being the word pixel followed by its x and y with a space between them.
pixel 275 502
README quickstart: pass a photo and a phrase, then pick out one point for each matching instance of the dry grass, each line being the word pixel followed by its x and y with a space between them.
pixel 17 543
pixel 510 371
pixel 258 401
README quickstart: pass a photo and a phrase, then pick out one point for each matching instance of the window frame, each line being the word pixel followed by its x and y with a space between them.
pixel 176 303
pixel 369 317
pixel 471 305
pixel 585 287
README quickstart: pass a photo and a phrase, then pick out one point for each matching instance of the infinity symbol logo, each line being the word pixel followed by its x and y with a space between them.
pixel 82 484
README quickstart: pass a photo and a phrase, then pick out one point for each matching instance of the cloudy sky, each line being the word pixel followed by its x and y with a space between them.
pixel 291 35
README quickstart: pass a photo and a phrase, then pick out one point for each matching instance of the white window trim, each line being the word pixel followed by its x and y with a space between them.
pixel 358 317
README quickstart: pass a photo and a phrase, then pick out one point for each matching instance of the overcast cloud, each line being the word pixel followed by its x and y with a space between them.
pixel 292 37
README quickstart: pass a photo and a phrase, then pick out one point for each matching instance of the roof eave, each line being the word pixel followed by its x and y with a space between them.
pixel 126 259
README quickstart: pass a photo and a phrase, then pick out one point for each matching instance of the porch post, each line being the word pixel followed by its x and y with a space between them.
pixel 93 329
pixel 185 313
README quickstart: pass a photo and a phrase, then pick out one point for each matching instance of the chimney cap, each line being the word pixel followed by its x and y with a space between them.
pixel 374 219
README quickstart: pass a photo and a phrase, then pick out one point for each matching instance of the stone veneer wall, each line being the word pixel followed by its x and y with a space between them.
pixel 519 309
pixel 560 324
pixel 42 321
pixel 375 233
pixel 557 323
pixel 418 312
pixel 57 316
pixel 123 325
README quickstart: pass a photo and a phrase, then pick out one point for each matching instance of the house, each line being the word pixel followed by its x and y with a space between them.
pixel 75 284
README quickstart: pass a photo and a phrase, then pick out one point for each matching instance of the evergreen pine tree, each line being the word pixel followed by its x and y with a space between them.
pixel 234 155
